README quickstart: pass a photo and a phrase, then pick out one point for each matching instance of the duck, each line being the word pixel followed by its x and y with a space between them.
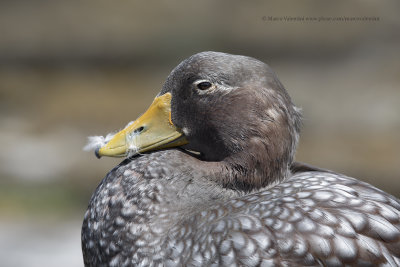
pixel 209 179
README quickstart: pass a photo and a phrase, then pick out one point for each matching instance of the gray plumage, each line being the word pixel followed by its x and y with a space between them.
pixel 242 201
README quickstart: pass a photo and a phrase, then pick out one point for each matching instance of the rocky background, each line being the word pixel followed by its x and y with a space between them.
pixel 77 68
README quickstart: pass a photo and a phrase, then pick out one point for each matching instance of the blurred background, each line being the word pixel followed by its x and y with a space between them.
pixel 77 68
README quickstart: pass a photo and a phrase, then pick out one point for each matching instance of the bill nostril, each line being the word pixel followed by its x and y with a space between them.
pixel 139 130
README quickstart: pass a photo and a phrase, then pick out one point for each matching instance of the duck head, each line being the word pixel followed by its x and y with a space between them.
pixel 230 109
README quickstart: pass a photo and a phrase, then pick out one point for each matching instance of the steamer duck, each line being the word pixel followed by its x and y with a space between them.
pixel 209 180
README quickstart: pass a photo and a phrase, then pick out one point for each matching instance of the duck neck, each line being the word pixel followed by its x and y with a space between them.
pixel 247 172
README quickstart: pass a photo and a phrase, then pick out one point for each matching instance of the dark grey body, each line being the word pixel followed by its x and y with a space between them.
pixel 137 217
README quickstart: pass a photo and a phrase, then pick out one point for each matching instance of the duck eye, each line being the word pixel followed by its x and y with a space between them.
pixel 204 85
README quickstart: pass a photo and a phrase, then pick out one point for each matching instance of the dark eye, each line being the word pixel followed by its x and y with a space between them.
pixel 204 85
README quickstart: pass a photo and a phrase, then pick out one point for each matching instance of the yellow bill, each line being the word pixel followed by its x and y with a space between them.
pixel 152 131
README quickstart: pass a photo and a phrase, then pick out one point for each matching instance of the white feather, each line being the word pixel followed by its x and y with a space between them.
pixel 131 140
pixel 95 142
